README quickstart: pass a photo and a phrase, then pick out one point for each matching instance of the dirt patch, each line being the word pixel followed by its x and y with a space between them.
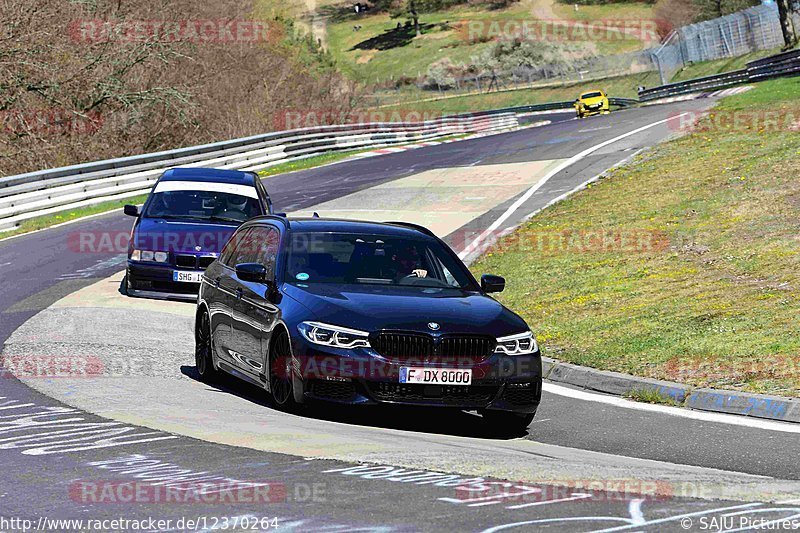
pixel 366 57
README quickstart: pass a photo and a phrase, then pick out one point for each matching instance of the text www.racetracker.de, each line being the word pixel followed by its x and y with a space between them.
pixel 196 523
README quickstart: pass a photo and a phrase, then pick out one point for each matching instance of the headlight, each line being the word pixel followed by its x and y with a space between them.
pixel 147 255
pixel 336 336
pixel 520 344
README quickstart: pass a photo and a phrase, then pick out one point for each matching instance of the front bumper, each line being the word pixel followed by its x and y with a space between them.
pixel 593 110
pixel 155 281
pixel 364 377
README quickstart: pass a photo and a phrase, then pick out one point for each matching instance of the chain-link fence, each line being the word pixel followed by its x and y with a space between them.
pixel 740 33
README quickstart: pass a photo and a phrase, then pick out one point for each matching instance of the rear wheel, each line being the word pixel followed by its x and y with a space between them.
pixel 508 422
pixel 203 358
pixel 280 372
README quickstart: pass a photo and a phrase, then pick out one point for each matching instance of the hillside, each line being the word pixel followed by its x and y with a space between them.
pixel 94 80
pixel 372 48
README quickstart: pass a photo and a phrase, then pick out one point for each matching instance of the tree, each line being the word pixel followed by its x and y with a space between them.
pixel 710 9
pixel 406 8
pixel 787 24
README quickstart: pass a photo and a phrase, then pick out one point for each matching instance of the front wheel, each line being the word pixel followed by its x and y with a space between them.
pixel 203 358
pixel 508 422
pixel 280 372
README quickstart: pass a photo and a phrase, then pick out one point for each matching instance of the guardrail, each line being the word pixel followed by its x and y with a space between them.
pixel 778 65
pixel 717 81
pixel 566 105
pixel 45 192
pixel 34 194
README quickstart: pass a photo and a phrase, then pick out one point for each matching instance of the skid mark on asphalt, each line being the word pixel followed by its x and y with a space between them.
pixel 42 430
pixel 98 267
pixel 550 501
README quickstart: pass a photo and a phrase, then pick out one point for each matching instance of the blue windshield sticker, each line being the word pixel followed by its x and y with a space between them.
pixel 302 276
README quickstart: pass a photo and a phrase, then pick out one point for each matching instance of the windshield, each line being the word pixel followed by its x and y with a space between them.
pixel 373 260
pixel 201 205
pixel 591 95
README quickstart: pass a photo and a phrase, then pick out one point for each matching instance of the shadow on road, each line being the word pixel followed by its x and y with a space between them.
pixel 435 420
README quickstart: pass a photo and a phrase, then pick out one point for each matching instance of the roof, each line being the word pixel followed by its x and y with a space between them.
pixel 338 225
pixel 209 175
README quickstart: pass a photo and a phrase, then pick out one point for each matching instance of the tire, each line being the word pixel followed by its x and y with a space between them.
pixel 203 346
pixel 280 378
pixel 506 422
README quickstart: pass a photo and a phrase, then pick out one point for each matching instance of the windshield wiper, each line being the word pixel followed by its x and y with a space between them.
pixel 176 217
pixel 224 219
pixel 197 217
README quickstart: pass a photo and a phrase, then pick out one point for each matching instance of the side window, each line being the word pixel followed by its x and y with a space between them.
pixel 261 246
pixel 232 246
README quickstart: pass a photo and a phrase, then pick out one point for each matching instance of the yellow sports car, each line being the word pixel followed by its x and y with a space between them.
pixel 591 103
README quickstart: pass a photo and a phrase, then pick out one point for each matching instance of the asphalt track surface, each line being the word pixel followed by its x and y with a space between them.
pixel 42 472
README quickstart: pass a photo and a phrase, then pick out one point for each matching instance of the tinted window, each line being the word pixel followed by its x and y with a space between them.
pixel 259 245
pixel 202 205
pixel 591 95
pixel 230 247
pixel 373 259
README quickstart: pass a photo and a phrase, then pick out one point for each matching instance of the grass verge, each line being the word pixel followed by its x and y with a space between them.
pixel 684 265
pixel 47 221
pixel 309 162
pixel 651 396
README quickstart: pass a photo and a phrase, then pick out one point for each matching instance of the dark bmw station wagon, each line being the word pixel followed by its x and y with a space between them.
pixel 363 313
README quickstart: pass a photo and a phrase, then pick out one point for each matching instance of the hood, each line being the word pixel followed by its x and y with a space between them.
pixel 374 307
pixel 158 234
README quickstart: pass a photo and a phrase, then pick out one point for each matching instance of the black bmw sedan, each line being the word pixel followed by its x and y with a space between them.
pixel 363 313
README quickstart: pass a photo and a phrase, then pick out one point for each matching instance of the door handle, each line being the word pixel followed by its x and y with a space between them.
pixel 216 282
pixel 238 292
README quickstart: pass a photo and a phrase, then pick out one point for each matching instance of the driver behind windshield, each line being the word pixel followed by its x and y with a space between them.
pixel 232 206
pixel 406 262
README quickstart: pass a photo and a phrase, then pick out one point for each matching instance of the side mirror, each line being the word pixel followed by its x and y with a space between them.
pixel 131 210
pixel 255 272
pixel 490 283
